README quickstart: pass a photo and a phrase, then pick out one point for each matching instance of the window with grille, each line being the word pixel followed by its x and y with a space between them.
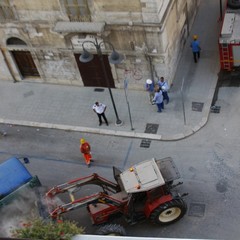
pixel 6 11
pixel 77 10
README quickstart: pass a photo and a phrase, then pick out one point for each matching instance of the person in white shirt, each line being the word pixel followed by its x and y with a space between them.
pixel 158 99
pixel 149 86
pixel 164 87
pixel 99 109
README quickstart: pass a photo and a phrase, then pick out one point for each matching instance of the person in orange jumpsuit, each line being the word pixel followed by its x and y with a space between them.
pixel 85 149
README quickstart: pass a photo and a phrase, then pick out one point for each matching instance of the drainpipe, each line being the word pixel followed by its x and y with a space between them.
pixel 8 65
pixel 151 66
pixel 149 59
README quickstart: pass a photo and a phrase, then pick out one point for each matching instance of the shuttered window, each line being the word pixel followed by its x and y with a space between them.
pixel 6 11
pixel 77 10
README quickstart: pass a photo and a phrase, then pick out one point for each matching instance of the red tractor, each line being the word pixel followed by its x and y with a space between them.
pixel 144 191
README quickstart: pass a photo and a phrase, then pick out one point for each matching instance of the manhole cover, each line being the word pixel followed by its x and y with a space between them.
pixel 98 89
pixel 151 128
pixel 196 209
pixel 145 143
pixel 197 106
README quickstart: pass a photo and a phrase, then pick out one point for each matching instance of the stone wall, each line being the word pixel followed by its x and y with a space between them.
pixel 150 33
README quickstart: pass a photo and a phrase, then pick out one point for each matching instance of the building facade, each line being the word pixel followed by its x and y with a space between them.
pixel 42 40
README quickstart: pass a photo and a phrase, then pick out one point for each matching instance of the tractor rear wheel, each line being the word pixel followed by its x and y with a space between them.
pixel 169 212
pixel 111 229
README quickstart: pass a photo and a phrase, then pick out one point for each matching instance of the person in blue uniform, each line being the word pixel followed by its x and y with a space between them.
pixel 196 49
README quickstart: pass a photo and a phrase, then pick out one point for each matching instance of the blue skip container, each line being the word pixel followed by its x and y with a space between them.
pixel 13 174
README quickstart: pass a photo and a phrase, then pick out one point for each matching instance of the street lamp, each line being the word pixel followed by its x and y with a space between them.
pixel 114 58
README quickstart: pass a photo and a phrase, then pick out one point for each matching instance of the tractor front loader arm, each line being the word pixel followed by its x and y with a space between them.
pixel 82 202
pixel 102 198
pixel 73 185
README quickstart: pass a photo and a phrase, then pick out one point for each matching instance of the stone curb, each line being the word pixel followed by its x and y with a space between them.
pixel 156 137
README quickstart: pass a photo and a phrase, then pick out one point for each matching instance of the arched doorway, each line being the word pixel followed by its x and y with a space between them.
pixel 23 58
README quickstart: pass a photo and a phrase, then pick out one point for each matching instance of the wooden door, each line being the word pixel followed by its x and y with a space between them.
pixel 25 63
pixel 92 72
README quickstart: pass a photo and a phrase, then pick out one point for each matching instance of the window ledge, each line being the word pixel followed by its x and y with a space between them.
pixel 85 27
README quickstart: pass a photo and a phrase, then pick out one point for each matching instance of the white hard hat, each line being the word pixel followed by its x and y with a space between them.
pixel 149 81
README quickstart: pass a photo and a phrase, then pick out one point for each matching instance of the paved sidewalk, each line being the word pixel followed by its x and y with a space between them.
pixel 69 108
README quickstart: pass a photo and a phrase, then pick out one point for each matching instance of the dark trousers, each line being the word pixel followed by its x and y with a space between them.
pixel 196 55
pixel 165 96
pixel 160 106
pixel 100 115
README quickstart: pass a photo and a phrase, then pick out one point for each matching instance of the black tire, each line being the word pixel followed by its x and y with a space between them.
pixel 234 4
pixel 111 229
pixel 169 212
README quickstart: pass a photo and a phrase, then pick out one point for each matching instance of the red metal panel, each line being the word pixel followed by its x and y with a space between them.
pixel 150 206
pixel 100 213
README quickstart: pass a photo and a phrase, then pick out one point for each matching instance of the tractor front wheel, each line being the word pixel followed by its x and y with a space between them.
pixel 111 229
pixel 169 212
